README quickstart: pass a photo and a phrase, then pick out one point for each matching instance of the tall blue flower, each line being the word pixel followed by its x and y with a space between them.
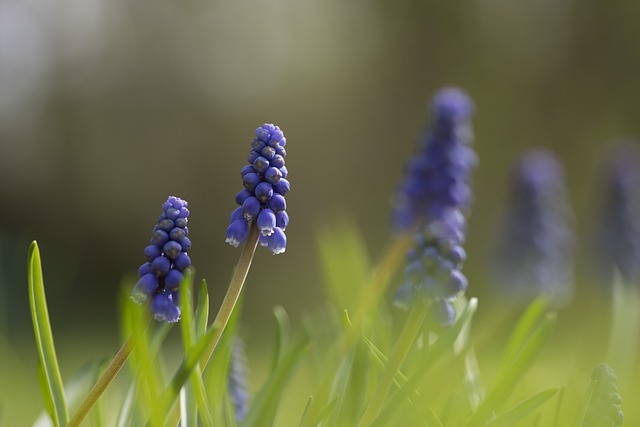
pixel 433 201
pixel 262 199
pixel 167 260
pixel 535 249
pixel 237 380
pixel 618 232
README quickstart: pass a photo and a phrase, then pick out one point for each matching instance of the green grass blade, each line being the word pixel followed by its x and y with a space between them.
pixel 124 414
pixel 283 331
pixel 305 413
pixel 512 372
pixel 264 405
pixel 525 327
pixel 202 312
pixel 346 269
pixel 522 409
pixel 44 337
pixel 435 352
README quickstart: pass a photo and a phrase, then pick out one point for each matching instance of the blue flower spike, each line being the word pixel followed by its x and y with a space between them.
pixel 237 380
pixel 167 262
pixel 433 202
pixel 534 255
pixel 262 199
pixel 617 245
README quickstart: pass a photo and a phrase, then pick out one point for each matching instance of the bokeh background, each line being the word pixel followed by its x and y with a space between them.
pixel 107 108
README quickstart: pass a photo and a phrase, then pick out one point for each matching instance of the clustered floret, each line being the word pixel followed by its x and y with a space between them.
pixel 604 406
pixel 167 261
pixel 433 200
pixel 536 240
pixel 262 200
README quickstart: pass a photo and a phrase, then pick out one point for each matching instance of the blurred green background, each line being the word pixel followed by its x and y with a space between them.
pixel 107 108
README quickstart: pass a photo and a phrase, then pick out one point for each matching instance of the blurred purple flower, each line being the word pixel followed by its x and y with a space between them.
pixel 237 380
pixel 535 247
pixel 262 199
pixel 618 230
pixel 167 261
pixel 433 201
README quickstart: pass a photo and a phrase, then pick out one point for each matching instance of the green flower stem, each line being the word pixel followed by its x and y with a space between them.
pixel 214 333
pixel 403 346
pixel 110 373
pixel 233 292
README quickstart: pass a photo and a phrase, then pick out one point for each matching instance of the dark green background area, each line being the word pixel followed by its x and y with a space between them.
pixel 110 107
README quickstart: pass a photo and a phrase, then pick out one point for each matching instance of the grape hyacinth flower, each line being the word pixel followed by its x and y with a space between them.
pixel 438 178
pixel 237 380
pixel 262 199
pixel 535 247
pixel 618 230
pixel 167 261
pixel 434 199
pixel 604 404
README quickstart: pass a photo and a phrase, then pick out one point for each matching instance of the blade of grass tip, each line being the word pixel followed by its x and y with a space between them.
pixel 435 351
pixel 523 408
pixel 511 373
pixel 305 413
pixel 381 361
pixel 525 326
pixel 283 332
pixel 202 312
pixel 401 350
pixel 44 337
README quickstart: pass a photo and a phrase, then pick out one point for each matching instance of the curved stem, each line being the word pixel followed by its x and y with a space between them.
pixel 214 334
pixel 110 373
pixel 233 292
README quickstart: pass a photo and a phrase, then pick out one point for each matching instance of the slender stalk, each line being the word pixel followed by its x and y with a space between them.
pixel 403 346
pixel 110 373
pixel 233 292
pixel 181 376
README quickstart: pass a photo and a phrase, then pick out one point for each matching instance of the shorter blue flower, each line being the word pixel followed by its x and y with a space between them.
pixel 617 246
pixel 534 254
pixel 237 380
pixel 167 261
pixel 262 200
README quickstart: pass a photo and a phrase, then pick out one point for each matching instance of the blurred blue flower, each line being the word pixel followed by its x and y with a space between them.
pixel 167 260
pixel 433 201
pixel 262 199
pixel 534 254
pixel 618 229
pixel 237 380
pixel 438 176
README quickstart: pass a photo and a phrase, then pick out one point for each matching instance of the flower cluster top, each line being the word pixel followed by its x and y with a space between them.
pixel 438 177
pixel 167 260
pixel 262 199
